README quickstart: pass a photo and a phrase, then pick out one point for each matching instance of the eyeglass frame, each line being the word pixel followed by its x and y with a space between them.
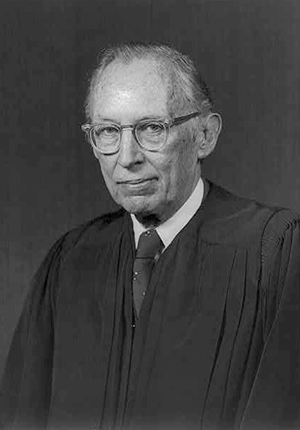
pixel 88 129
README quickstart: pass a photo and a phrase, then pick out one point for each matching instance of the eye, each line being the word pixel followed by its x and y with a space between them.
pixel 104 131
pixel 108 130
pixel 151 128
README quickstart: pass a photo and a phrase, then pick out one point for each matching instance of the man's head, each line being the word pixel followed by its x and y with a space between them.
pixel 147 82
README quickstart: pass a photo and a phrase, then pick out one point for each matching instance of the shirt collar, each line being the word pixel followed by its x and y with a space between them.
pixel 169 229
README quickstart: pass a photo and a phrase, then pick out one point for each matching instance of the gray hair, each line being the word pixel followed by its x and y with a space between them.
pixel 186 88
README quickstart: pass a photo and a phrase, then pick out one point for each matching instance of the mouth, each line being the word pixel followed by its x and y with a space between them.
pixel 139 186
pixel 135 181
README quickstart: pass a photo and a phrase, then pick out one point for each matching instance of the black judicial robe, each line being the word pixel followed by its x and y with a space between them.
pixel 216 345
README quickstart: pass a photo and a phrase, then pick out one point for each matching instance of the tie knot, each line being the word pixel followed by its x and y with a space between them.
pixel 149 244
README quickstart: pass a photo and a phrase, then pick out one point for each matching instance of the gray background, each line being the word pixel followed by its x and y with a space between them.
pixel 249 53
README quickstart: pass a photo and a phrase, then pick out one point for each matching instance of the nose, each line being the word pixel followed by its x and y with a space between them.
pixel 130 152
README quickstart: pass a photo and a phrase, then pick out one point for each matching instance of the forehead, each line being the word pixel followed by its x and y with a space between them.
pixel 138 88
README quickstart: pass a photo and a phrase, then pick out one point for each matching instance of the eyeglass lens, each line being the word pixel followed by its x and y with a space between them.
pixel 150 135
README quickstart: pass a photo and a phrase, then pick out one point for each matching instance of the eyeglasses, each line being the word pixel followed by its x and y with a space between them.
pixel 150 134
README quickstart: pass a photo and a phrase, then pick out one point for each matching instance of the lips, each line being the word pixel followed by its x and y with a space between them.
pixel 135 181
pixel 137 187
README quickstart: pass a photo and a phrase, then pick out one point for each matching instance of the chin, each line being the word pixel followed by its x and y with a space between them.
pixel 139 207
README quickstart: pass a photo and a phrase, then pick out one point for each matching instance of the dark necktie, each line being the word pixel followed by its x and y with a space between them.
pixel 147 253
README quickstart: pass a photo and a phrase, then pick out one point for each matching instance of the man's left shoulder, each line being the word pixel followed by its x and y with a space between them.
pixel 242 221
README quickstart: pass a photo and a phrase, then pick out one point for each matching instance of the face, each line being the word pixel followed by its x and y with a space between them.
pixel 144 183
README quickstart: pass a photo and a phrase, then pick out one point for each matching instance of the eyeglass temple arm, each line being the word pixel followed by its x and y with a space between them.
pixel 184 118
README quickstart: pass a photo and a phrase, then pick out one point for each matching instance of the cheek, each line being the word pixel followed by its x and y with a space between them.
pixel 107 166
pixel 170 177
pixel 107 173
pixel 178 165
pixel 182 171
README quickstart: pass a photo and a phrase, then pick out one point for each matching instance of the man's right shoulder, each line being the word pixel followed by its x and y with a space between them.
pixel 98 231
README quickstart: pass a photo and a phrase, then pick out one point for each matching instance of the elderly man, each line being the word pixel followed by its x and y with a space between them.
pixel 179 311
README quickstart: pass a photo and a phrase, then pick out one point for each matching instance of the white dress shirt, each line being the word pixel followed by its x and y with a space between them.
pixel 170 228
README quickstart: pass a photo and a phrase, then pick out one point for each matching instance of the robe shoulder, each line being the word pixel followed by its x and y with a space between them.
pixel 101 229
pixel 235 221
pixel 97 232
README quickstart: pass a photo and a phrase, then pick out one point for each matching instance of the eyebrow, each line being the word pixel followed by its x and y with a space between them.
pixel 144 118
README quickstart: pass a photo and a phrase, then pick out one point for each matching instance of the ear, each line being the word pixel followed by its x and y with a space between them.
pixel 209 135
